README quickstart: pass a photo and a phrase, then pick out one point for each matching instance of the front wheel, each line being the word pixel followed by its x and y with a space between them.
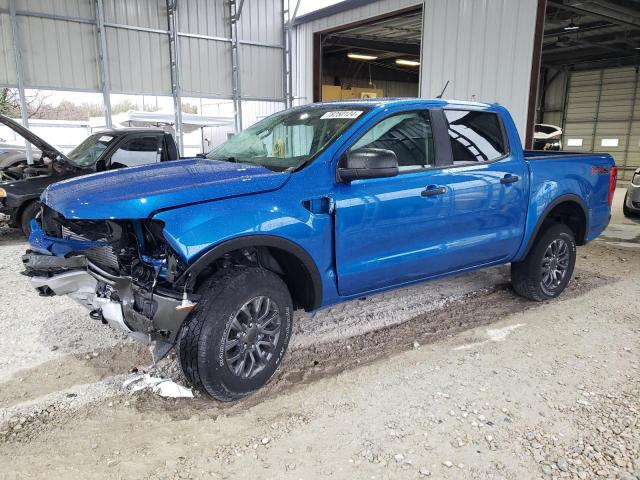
pixel 546 270
pixel 234 341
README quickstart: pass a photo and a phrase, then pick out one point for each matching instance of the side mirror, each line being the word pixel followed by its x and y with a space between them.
pixel 367 163
pixel 201 155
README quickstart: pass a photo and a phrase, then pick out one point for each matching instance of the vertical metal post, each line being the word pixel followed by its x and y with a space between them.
pixel 629 124
pixel 288 52
pixel 595 120
pixel 234 16
pixel 565 99
pixel 19 75
pixel 103 64
pixel 174 59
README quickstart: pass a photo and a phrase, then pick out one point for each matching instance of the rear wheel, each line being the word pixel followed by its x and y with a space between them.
pixel 546 270
pixel 235 339
pixel 28 213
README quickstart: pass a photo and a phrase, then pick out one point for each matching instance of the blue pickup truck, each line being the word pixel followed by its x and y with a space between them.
pixel 307 208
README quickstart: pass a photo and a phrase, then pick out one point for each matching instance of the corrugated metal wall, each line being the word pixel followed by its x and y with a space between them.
pixel 483 47
pixel 59 44
pixel 303 41
pixel 605 105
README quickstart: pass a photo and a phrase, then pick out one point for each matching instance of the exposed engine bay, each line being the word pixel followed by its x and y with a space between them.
pixel 122 271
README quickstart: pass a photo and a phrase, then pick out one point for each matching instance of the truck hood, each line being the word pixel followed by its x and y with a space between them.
pixel 138 192
pixel 46 148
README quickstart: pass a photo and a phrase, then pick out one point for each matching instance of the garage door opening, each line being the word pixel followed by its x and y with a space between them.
pixel 589 82
pixel 378 57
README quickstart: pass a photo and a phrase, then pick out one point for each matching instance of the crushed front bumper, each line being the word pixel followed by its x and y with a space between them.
pixel 153 318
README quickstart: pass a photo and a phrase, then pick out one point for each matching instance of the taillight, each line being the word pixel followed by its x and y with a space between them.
pixel 613 177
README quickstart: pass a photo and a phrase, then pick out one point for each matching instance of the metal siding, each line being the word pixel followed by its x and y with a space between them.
pixel 58 54
pixel 141 13
pixel 205 67
pixel 483 48
pixel 261 72
pixel 600 105
pixel 204 17
pixel 68 8
pixel 140 70
pixel 7 57
pixel 261 21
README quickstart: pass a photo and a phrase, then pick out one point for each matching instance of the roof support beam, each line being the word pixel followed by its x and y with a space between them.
pixel 590 8
pixel 24 114
pixel 379 45
pixel 103 64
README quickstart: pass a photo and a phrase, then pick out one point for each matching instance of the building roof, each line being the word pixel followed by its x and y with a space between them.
pixel 331 10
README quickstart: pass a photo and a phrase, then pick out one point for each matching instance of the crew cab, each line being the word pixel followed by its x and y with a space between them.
pixel 307 208
pixel 106 150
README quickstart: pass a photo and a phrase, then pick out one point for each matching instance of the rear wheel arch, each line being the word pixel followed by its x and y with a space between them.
pixel 284 257
pixel 569 210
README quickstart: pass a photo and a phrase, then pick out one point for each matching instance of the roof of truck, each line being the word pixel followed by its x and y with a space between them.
pixel 378 102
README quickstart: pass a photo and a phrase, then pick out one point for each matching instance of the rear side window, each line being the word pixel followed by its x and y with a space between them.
pixel 475 136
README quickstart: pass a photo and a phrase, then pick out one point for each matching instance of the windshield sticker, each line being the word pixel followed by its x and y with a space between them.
pixel 105 138
pixel 341 114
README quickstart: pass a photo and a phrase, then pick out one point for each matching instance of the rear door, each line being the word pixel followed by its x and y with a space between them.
pixel 489 187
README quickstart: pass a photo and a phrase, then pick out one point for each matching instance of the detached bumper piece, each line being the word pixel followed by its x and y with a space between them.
pixel 151 318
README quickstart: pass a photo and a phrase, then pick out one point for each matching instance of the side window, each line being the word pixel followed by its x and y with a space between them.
pixel 408 135
pixel 475 136
pixel 137 150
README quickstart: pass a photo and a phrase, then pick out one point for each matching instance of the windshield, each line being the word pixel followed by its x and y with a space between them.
pixel 88 152
pixel 287 140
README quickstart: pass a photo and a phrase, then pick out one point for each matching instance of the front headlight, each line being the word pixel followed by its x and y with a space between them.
pixel 3 193
pixel 635 180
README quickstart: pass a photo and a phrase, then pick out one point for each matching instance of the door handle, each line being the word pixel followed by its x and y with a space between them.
pixel 509 179
pixel 431 191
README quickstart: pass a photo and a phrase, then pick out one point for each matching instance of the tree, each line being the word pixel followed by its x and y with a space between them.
pixel 10 103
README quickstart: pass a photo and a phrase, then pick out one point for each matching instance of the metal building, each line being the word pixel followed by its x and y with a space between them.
pixel 178 48
pixel 484 49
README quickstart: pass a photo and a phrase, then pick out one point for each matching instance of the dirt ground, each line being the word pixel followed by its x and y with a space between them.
pixel 452 379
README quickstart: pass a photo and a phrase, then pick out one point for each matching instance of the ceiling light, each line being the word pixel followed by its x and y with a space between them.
pixel 408 63
pixel 361 56
pixel 571 26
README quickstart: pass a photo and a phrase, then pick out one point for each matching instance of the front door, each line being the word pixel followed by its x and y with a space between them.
pixel 389 230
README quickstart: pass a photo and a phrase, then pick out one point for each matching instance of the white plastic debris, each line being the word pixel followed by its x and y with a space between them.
pixel 162 386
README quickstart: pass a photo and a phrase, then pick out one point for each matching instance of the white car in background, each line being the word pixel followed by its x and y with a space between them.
pixel 547 137
pixel 14 154
pixel 631 205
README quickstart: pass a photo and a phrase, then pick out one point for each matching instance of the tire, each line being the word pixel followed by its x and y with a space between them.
pixel 28 213
pixel 546 270
pixel 212 337
pixel 625 210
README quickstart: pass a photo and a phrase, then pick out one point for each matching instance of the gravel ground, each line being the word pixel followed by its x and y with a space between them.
pixel 452 379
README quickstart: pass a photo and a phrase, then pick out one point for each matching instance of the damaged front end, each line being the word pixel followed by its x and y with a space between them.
pixel 121 270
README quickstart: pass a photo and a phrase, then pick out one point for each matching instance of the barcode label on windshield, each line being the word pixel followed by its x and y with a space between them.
pixel 341 114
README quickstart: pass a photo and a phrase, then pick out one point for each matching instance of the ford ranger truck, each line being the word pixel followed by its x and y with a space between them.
pixel 307 208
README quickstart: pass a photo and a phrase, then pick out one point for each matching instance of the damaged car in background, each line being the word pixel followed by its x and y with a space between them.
pixel 307 208
pixel 106 150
